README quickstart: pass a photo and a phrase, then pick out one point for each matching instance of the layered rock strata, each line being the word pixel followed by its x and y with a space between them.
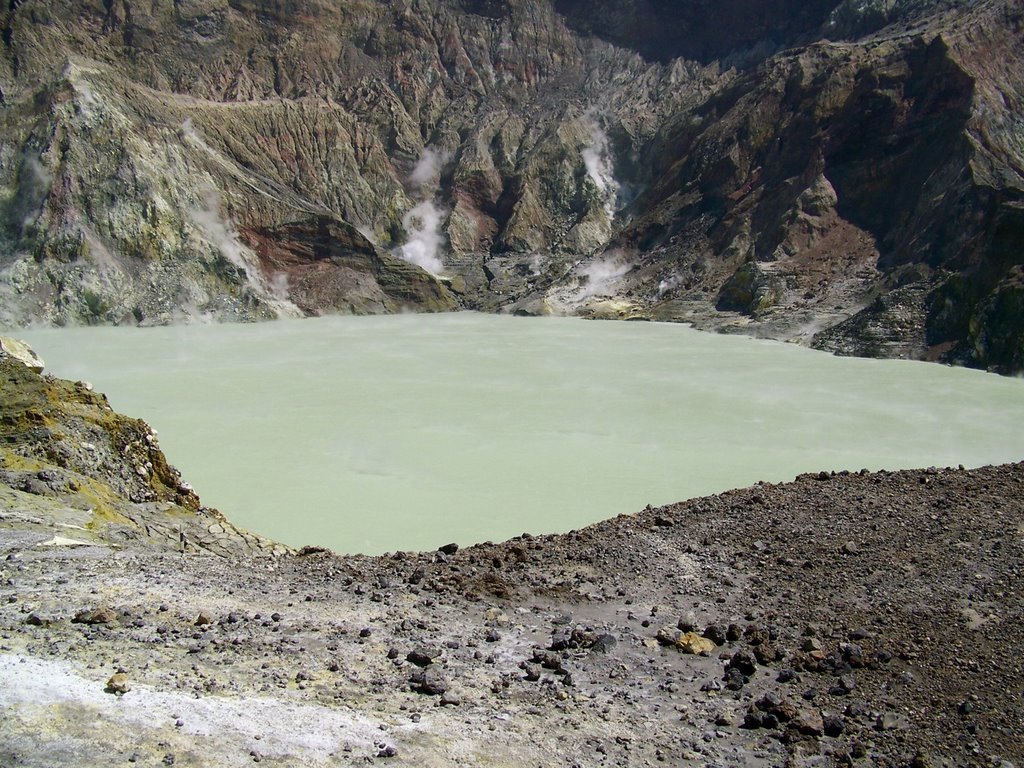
pixel 848 175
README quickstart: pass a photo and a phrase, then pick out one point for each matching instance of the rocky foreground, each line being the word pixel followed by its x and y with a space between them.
pixel 848 174
pixel 868 619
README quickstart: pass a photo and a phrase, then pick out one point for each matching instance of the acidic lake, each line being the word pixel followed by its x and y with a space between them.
pixel 373 434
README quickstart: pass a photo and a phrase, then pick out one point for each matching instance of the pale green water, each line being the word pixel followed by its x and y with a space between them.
pixel 377 434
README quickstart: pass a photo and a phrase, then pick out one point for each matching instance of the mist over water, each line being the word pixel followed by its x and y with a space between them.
pixel 383 433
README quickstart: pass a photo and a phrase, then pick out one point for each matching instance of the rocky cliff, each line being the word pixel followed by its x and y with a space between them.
pixel 72 467
pixel 847 174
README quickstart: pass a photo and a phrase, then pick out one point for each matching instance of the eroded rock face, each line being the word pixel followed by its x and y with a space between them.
pixel 695 29
pixel 323 265
pixel 68 461
pixel 839 181
pixel 626 158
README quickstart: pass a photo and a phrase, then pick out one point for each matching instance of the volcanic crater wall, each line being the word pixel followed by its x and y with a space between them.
pixel 844 174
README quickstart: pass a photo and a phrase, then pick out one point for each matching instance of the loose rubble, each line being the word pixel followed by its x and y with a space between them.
pixel 733 630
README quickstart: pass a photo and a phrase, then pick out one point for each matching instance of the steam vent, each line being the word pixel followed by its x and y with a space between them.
pixel 842 174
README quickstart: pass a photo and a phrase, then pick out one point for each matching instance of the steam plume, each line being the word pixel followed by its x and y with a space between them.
pixel 601 275
pixel 426 176
pixel 597 158
pixel 423 222
pixel 218 232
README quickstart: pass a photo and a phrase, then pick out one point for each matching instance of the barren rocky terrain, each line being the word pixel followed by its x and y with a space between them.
pixel 840 619
pixel 847 174
pixel 843 173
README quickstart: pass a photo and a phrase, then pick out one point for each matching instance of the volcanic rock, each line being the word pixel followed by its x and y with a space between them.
pixel 430 681
pixel 842 174
pixel 893 616
pixel 118 683
pixel 101 615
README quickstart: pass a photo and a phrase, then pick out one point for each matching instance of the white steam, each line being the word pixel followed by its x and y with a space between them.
pixel 423 223
pixel 87 102
pixel 595 281
pixel 279 288
pixel 188 131
pixel 38 175
pixel 35 182
pixel 597 158
pixel 219 232
pixel 98 251
pixel 368 234
pixel 601 276
pixel 427 174
pixel 536 264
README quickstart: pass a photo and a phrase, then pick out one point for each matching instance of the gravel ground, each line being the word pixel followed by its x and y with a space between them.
pixel 840 619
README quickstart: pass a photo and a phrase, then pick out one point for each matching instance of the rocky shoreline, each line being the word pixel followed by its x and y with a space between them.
pixel 840 619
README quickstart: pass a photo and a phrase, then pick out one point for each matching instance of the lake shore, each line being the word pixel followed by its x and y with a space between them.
pixel 410 432
pixel 870 619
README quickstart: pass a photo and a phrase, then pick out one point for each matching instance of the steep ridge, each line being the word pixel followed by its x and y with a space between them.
pixel 74 468
pixel 663 30
pixel 844 174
